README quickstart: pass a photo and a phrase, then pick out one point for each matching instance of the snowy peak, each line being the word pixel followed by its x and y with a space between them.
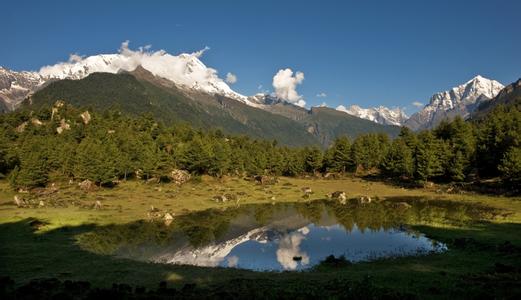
pixel 186 70
pixel 380 115
pixel 15 86
pixel 458 101
pixel 467 93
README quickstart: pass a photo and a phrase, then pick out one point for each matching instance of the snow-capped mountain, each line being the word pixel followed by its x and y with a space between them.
pixel 186 70
pixel 15 86
pixel 458 101
pixel 381 114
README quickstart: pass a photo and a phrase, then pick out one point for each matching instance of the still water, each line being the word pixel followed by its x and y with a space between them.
pixel 278 237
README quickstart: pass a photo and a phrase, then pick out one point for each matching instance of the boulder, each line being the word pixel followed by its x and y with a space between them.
pixel 19 201
pixel 338 195
pixel 307 190
pixel 168 217
pixel 85 116
pixel 98 205
pixel 263 179
pixel 87 185
pixel 364 200
pixel 179 176
pixel 64 125
pixel 220 198
pixel 152 180
pixel 230 197
pixel 330 175
pixel 41 204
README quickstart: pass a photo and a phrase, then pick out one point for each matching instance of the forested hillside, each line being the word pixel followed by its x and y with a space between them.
pixel 62 142
pixel 140 91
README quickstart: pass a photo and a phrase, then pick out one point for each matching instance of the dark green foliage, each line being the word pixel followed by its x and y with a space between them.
pixel 510 166
pixel 57 143
pixel 339 155
pixel 399 160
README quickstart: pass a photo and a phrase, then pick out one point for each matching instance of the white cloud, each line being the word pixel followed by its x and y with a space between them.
pixel 285 85
pixel 74 57
pixel 289 247
pixel 323 104
pixel 417 104
pixel 341 108
pixel 321 95
pixel 231 78
pixel 233 261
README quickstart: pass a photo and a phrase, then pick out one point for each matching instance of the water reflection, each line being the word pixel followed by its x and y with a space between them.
pixel 282 236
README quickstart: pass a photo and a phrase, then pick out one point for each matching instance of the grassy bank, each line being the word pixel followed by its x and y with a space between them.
pixel 484 256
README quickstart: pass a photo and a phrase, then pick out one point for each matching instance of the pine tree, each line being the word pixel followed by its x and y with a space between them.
pixel 340 155
pixel 510 166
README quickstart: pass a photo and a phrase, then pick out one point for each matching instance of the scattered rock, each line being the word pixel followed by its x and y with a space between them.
pixel 41 204
pixel 36 122
pixel 264 180
pixel 21 127
pixel 307 190
pixel 220 198
pixel 179 176
pixel 19 201
pixel 230 197
pixel 168 217
pixel 64 125
pixel 85 116
pixel 338 195
pixel 98 205
pixel 331 176
pixel 364 200
pixel 87 185
pixel 152 180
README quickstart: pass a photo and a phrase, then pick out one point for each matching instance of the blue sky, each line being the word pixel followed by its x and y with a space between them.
pixel 357 52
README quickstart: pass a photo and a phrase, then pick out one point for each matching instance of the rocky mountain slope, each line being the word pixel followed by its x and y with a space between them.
pixel 509 96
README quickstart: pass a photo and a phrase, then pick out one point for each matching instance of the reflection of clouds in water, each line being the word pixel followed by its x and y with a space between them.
pixel 233 261
pixel 304 230
pixel 289 247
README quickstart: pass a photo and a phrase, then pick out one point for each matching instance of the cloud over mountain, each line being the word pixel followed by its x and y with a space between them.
pixel 285 85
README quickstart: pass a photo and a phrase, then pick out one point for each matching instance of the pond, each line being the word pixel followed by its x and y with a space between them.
pixel 289 236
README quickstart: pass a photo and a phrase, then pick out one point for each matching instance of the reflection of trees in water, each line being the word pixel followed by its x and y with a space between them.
pixel 203 228
pixel 312 211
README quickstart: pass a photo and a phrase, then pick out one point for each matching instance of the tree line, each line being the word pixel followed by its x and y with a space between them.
pixel 57 143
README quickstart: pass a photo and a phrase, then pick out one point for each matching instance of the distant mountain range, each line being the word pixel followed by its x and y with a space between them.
pixel 181 88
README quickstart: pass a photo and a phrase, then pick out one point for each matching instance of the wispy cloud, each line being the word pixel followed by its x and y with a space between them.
pixel 417 104
pixel 322 95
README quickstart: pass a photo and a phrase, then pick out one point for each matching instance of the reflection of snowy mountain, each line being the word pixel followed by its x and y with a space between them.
pixel 216 254
pixel 211 255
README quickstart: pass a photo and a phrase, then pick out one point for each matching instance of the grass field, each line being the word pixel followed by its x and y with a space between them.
pixel 484 256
